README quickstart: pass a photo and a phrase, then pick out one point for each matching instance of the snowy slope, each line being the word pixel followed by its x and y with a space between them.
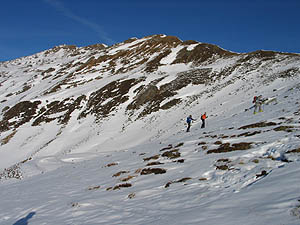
pixel 90 163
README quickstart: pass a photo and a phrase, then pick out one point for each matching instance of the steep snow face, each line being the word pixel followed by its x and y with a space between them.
pixel 97 135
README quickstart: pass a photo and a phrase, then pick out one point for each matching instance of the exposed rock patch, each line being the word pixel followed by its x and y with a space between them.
pixel 148 171
pixel 260 124
pixel 19 114
pixel 226 147
pixel 115 92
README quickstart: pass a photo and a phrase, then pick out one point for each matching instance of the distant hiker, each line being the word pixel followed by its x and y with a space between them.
pixel 203 118
pixel 189 120
pixel 258 101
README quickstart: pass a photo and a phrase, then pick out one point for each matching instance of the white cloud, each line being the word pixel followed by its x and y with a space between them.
pixel 93 26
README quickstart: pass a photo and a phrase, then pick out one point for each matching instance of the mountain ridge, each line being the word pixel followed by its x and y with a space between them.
pixel 103 128
pixel 132 75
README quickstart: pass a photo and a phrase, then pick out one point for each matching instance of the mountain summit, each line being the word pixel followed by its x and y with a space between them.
pixel 105 127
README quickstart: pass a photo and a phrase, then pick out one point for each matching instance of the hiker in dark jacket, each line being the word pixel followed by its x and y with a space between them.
pixel 189 121
pixel 203 118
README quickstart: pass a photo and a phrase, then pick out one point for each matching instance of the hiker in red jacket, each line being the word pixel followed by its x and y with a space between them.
pixel 203 118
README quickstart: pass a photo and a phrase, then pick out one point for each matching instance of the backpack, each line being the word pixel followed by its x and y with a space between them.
pixel 254 99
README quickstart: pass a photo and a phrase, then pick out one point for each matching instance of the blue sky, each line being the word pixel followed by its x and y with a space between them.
pixel 31 26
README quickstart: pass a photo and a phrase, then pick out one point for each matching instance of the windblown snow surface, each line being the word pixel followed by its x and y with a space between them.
pixel 97 173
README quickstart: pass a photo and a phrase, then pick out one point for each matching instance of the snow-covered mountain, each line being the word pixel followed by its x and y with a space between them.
pixel 97 135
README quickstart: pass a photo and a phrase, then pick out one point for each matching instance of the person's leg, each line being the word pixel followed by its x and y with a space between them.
pixel 255 109
pixel 260 109
pixel 188 128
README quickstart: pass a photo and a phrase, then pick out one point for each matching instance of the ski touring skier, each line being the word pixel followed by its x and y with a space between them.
pixel 189 120
pixel 203 118
pixel 258 101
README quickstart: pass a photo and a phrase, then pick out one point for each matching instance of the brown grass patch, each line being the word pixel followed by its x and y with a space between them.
pixel 297 150
pixel 247 134
pixel 131 195
pixel 111 164
pixel 223 164
pixel 155 157
pixel 284 128
pixel 154 163
pixel 66 107
pixel 148 171
pixel 260 124
pixel 153 65
pixel 173 154
pixel 116 91
pixel 170 104
pixel 94 188
pixel 179 145
pixel 178 181
pixel 179 161
pixel 204 147
pixel 8 138
pixel 26 108
pixel 229 148
pixel 119 173
pixel 118 187
pixel 167 148
pixel 125 179
pixel 223 160
pixel 262 174
pixel 139 170
pixel 201 53
pixel 202 143
pixel 222 167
